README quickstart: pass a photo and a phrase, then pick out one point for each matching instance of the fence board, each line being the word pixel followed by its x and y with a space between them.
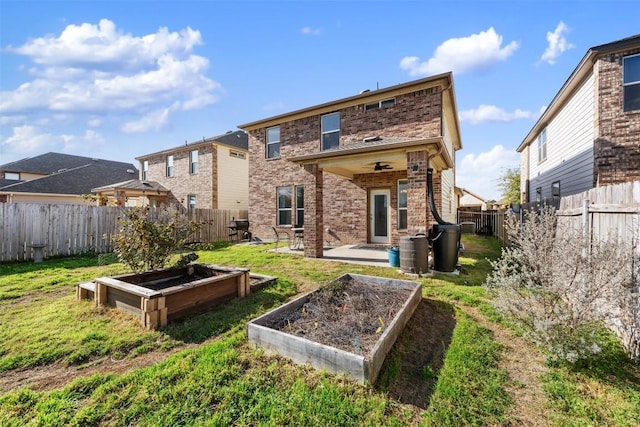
pixel 74 229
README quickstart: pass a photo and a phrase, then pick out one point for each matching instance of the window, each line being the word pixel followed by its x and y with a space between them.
pixel 12 175
pixel 386 103
pixel 631 82
pixel 284 205
pixel 555 189
pixel 403 186
pixel 169 165
pixel 273 142
pixel 192 201
pixel 193 161
pixel 237 154
pixel 299 205
pixel 542 146
pixel 539 194
pixel 330 131
pixel 145 170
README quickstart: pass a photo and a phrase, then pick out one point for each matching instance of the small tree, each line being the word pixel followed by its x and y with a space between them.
pixel 509 185
pixel 559 294
pixel 147 239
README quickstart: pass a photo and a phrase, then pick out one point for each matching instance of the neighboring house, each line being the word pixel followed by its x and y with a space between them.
pixel 356 168
pixel 210 174
pixel 471 202
pixel 589 136
pixel 59 178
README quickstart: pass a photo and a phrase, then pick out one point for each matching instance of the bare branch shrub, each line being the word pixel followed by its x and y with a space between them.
pixel 560 294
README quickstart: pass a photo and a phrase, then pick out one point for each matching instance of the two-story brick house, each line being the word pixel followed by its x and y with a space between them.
pixel 356 168
pixel 209 174
pixel 589 135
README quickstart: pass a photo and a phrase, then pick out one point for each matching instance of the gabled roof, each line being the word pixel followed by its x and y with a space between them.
pixel 49 163
pixel 79 180
pixel 237 139
pixel 444 80
pixel 132 185
pixel 579 74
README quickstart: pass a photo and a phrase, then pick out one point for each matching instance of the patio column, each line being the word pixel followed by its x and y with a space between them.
pixel 417 202
pixel 313 224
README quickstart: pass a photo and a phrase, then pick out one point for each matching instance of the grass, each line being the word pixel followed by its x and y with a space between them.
pixel 222 380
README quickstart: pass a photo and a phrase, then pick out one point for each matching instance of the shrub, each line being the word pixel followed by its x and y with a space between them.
pixel 559 290
pixel 146 239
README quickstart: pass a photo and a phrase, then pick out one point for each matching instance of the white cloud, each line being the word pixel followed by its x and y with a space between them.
pixel 481 172
pixel 94 69
pixel 86 143
pixel 27 139
pixel 154 121
pixel 308 31
pixel 94 122
pixel 462 55
pixel 490 113
pixel 558 44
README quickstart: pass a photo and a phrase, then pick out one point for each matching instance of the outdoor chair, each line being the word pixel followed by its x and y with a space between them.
pixel 282 236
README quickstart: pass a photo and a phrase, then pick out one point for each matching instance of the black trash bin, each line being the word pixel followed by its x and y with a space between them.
pixel 445 239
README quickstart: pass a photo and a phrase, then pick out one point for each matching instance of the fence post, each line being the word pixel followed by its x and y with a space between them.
pixel 585 227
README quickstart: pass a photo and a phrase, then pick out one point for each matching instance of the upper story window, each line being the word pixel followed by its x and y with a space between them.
pixel 631 82
pixel 193 161
pixel 330 131
pixel 273 142
pixel 12 175
pixel 403 186
pixel 555 189
pixel 192 201
pixel 169 165
pixel 145 170
pixel 385 103
pixel 542 146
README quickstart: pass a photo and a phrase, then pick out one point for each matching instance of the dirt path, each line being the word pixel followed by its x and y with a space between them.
pixel 55 376
pixel 524 365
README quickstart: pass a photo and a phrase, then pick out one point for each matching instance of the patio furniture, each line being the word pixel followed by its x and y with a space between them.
pixel 298 237
pixel 282 236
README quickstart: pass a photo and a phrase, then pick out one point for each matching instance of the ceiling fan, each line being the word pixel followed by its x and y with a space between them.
pixel 379 166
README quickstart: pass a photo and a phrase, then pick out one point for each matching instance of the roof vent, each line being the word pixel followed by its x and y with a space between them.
pixel 130 171
pixel 365 91
pixel 372 139
pixel 62 170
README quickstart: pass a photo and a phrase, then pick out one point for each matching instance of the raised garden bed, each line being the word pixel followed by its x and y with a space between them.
pixel 157 297
pixel 348 326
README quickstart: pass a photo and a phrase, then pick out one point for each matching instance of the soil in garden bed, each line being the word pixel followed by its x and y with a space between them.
pixel 348 314
pixel 175 281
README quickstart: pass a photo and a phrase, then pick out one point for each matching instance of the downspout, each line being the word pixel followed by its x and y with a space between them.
pixel 432 202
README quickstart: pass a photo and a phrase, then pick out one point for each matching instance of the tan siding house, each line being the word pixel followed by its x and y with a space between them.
pixel 209 174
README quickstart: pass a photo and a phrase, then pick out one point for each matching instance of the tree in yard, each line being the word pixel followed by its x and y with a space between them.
pixel 558 290
pixel 147 239
pixel 509 185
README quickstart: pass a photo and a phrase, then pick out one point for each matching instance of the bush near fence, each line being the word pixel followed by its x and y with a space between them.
pixel 77 229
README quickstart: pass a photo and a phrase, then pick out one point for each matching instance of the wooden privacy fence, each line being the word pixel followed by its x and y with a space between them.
pixel 76 229
pixel 488 223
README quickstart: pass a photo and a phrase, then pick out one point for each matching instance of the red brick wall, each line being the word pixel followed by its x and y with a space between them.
pixel 617 148
pixel 345 203
pixel 183 183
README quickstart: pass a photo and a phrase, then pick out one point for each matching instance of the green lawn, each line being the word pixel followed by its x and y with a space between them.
pixel 221 380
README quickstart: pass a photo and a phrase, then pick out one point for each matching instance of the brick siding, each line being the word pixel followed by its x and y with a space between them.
pixel 343 214
pixel 183 182
pixel 617 147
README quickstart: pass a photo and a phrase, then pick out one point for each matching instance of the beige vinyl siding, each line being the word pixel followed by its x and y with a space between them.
pixel 569 133
pixel 446 136
pixel 449 200
pixel 233 179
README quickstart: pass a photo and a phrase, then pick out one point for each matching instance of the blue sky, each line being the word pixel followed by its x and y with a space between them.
pixel 119 79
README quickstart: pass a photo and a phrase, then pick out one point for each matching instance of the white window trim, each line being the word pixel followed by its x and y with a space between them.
pixel 170 171
pixel 268 143
pixel 542 145
pixel 327 132
pixel 403 208
pixel 193 163
pixel 279 209
pixel 299 209
pixel 145 170
pixel 629 84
